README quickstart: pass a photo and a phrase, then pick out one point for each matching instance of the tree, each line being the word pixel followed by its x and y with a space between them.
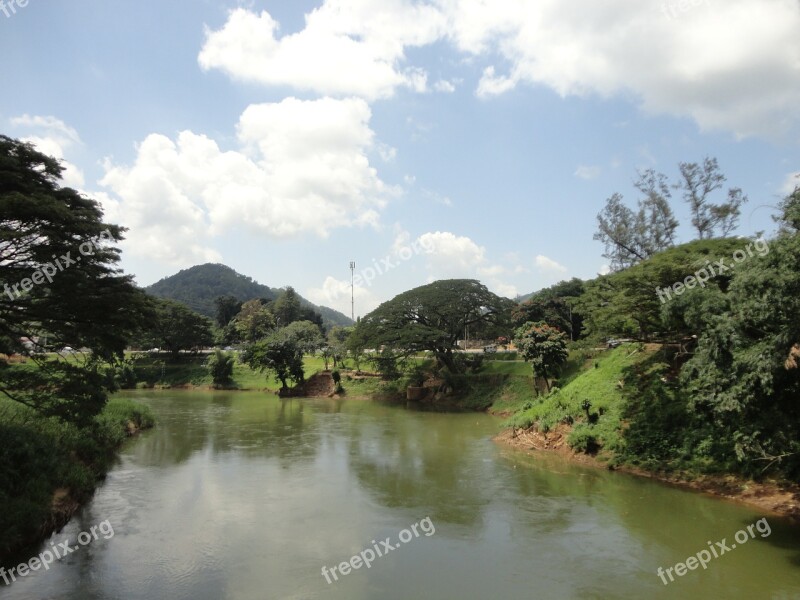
pixel 220 364
pixel 177 327
pixel 432 318
pixel 279 353
pixel 306 334
pixel 633 236
pixel 60 287
pixel 555 306
pixel 543 346
pixel 630 237
pixel 698 182
pixel 337 342
pixel 227 307
pixel 286 307
pixel 744 377
pixel 634 303
pixel 254 321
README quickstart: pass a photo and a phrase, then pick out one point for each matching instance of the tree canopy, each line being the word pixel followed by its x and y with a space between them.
pixel 432 318
pixel 631 236
pixel 61 286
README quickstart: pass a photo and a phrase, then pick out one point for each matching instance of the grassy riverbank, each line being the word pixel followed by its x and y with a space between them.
pixel 637 421
pixel 48 468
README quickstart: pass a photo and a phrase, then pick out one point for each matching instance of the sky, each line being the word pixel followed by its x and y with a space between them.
pixel 421 139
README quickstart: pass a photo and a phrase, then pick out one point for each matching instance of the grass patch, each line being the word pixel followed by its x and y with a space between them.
pixel 600 380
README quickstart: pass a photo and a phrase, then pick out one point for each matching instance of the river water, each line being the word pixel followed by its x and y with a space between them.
pixel 244 496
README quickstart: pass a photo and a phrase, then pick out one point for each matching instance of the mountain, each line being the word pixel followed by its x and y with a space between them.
pixel 199 286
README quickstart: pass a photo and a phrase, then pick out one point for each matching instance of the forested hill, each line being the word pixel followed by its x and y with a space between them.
pixel 199 286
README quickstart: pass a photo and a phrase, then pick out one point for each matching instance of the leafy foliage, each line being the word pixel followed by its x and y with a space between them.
pixel 543 346
pixel 84 302
pixel 432 318
pixel 631 237
pixel 220 364
pixel 279 353
pixel 176 328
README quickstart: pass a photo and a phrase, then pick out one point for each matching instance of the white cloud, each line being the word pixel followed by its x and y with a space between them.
pixel 791 182
pixel 493 85
pixel 505 290
pixel 587 172
pixel 452 256
pixel 302 168
pixel 604 270
pixel 701 65
pixel 548 265
pixel 335 293
pixel 52 137
pixel 347 47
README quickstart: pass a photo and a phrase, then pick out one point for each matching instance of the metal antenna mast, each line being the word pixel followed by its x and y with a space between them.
pixel 352 291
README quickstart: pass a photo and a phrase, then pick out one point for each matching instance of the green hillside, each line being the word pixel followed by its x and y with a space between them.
pixel 199 286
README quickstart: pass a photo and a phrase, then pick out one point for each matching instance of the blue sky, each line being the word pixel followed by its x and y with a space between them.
pixel 446 138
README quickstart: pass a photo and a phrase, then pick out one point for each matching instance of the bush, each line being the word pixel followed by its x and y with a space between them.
pixel 386 363
pixel 583 439
pixel 125 375
pixel 220 366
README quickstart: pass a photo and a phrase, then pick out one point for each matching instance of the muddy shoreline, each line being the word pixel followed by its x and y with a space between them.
pixel 771 497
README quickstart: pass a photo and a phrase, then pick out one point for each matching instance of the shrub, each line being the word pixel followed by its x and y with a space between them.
pixel 583 439
pixel 220 365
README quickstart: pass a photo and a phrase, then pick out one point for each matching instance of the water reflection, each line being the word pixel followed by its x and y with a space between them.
pixel 244 495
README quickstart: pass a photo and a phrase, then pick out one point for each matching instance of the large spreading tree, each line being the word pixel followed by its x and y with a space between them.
pixel 60 287
pixel 433 318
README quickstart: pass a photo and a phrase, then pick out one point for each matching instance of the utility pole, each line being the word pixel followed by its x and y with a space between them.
pixel 352 291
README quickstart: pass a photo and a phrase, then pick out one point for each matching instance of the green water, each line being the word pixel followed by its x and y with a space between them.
pixel 245 496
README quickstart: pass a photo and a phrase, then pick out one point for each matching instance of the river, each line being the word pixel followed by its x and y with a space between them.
pixel 244 496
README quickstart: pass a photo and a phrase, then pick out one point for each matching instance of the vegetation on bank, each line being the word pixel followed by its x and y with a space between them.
pixel 48 467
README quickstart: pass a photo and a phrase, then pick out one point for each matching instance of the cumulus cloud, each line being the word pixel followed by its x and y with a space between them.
pixel 701 65
pixel 335 293
pixel 347 47
pixel 732 65
pixel 792 181
pixel 52 137
pixel 450 256
pixel 302 167
pixel 548 265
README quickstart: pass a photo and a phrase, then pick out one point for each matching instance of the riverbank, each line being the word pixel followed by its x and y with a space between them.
pixel 773 497
pixel 51 468
pixel 623 409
